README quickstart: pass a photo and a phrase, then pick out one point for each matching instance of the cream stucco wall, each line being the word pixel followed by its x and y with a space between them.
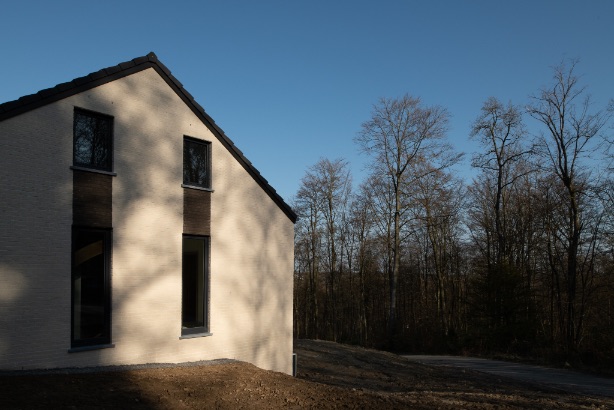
pixel 251 239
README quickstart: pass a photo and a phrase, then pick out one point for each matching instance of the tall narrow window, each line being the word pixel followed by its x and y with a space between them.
pixel 196 163
pixel 91 299
pixel 93 140
pixel 195 295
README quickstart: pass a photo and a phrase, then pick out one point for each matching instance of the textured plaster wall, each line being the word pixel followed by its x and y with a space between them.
pixel 251 239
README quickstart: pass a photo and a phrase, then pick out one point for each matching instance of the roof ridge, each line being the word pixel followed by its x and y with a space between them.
pixel 105 75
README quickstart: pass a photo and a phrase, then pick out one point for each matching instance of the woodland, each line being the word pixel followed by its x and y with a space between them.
pixel 518 261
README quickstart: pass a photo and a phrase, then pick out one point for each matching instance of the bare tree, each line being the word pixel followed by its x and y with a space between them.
pixel 362 219
pixel 334 183
pixel 399 133
pixel 322 202
pixel 500 130
pixel 438 200
pixel 570 137
pixel 309 238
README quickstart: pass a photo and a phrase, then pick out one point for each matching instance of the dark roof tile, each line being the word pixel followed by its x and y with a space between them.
pixel 198 106
pixel 27 99
pixel 187 94
pixel 63 86
pixel 98 75
pixel 176 82
pixel 140 60
pixel 112 70
pixel 46 92
pixel 8 106
pixel 127 64
pixel 166 71
pixel 81 81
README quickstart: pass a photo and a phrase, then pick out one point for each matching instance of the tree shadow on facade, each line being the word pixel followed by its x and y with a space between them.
pixel 251 284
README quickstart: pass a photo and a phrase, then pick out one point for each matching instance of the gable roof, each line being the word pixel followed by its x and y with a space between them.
pixel 109 74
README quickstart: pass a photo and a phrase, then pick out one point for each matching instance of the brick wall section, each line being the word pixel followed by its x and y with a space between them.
pixel 251 239
pixel 92 199
pixel 196 212
pixel 35 237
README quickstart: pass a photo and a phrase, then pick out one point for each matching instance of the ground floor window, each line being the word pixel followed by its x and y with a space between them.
pixel 91 287
pixel 195 284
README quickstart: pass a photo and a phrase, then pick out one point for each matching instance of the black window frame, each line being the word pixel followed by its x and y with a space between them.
pixel 105 339
pixel 107 166
pixel 205 328
pixel 206 145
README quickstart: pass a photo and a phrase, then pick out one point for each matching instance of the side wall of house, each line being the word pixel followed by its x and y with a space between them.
pixel 251 239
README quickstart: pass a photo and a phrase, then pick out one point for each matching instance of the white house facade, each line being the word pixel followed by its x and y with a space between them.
pixel 132 230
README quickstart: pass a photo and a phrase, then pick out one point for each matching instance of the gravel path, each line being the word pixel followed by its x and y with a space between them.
pixel 566 380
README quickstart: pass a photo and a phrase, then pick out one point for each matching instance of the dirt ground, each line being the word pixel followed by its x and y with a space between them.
pixel 330 376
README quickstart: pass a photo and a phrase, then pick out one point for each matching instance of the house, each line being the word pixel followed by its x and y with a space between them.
pixel 132 230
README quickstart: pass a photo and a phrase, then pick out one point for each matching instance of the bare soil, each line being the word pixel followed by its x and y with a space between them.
pixel 330 376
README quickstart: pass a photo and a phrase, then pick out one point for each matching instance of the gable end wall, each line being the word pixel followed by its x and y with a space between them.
pixel 251 239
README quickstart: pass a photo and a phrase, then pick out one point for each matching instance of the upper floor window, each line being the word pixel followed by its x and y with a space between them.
pixel 196 162
pixel 93 140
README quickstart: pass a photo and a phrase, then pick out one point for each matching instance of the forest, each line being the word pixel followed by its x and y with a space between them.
pixel 518 261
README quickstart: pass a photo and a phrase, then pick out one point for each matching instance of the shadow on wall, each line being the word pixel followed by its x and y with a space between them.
pixel 259 276
pixel 35 297
pixel 15 289
pixel 35 209
pixel 147 217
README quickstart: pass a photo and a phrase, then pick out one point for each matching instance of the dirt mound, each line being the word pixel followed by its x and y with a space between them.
pixel 330 376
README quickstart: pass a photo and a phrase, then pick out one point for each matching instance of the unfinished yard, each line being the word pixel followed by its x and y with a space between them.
pixel 330 376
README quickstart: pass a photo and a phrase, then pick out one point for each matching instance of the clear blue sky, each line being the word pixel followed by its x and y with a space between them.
pixel 292 81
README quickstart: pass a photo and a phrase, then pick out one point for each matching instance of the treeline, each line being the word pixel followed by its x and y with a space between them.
pixel 520 260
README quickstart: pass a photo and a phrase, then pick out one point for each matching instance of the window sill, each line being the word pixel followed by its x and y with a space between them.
pixel 96 171
pixel 199 188
pixel 88 348
pixel 195 335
